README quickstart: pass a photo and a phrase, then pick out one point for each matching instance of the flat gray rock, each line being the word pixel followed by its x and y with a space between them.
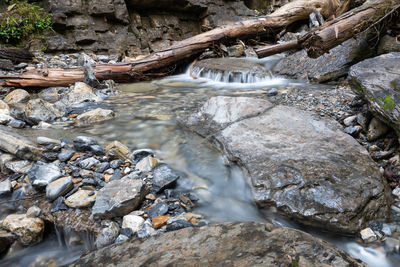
pixel 377 80
pixel 228 244
pixel 42 174
pixel 17 145
pixel 59 187
pixel 307 168
pixel 118 198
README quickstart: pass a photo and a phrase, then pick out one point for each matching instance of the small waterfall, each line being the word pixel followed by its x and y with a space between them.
pixel 231 76
pixel 70 239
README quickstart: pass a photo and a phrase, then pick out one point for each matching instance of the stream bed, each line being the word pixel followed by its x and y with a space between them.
pixel 146 117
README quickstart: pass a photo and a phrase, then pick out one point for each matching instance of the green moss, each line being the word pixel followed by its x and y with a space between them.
pixel 295 263
pixel 23 20
pixel 394 84
pixel 388 102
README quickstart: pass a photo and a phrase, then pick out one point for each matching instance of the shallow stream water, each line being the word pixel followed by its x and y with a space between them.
pixel 146 117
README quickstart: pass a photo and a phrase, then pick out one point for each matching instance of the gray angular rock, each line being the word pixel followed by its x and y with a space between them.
pixel 94 116
pixel 59 187
pixel 66 155
pixel 330 66
pixel 83 143
pixel 38 110
pixel 18 166
pixel 377 80
pixel 89 163
pixel 17 145
pixel 118 198
pixel 107 235
pixel 158 209
pixel 227 244
pixel 16 124
pixel 6 64
pixel 41 174
pixel 164 177
pixel 308 168
pixel 5 187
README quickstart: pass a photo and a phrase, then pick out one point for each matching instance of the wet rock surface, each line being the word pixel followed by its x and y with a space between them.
pixel 306 167
pixel 15 144
pixel 28 230
pixel 219 112
pixel 229 244
pixel 377 80
pixel 330 66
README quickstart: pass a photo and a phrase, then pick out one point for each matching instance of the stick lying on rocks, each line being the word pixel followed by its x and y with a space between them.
pixel 133 71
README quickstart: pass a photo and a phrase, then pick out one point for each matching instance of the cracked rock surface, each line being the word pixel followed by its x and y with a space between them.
pixel 305 166
pixel 223 245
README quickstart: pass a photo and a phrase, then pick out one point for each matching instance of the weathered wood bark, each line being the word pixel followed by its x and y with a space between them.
pixel 346 26
pixel 17 55
pixel 286 15
pixel 335 32
pixel 276 49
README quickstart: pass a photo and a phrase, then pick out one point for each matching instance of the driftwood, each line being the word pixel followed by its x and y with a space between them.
pixel 276 49
pixel 346 26
pixel 124 72
pixel 338 30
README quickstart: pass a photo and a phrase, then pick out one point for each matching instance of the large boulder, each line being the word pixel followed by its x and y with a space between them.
pixel 377 80
pixel 330 66
pixel 228 244
pixel 17 145
pixel 28 230
pixel 306 167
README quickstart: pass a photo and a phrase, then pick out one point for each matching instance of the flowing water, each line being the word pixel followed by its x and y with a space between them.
pixel 147 118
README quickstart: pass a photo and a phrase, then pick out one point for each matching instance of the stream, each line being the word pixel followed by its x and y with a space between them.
pixel 147 118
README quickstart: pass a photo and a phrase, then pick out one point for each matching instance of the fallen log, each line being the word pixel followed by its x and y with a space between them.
pixel 337 31
pixel 322 39
pixel 124 72
pixel 276 49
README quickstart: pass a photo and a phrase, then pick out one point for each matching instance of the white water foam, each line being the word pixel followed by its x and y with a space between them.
pixel 233 79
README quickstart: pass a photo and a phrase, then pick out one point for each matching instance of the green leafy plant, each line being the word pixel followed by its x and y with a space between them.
pixel 23 20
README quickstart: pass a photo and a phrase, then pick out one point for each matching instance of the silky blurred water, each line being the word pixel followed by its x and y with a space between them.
pixel 146 117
